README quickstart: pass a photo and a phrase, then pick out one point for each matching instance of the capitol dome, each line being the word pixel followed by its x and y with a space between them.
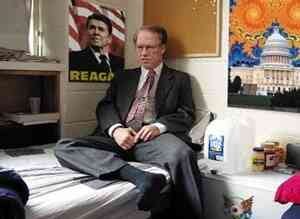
pixel 276 51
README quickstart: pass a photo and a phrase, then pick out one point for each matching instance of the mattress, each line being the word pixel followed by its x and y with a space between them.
pixel 58 192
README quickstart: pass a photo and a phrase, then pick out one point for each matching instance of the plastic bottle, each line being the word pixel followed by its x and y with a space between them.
pixel 228 144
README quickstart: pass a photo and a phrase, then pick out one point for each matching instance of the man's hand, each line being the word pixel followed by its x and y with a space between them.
pixel 125 137
pixel 147 133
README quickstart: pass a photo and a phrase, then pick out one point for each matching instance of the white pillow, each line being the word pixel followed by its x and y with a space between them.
pixel 198 131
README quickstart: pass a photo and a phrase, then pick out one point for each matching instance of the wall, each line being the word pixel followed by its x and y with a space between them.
pixel 13 34
pixel 210 80
pixel 79 100
pixel 211 92
pixel 209 74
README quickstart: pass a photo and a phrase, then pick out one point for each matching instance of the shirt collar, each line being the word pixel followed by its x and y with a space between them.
pixel 97 54
pixel 157 70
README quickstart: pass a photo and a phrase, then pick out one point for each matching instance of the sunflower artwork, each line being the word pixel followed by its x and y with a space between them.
pixel 264 54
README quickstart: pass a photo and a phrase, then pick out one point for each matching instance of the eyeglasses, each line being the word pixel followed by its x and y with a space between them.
pixel 147 47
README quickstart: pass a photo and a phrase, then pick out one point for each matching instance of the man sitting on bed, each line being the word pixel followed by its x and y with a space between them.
pixel 145 116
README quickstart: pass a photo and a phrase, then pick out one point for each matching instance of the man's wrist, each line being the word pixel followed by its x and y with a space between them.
pixel 162 128
pixel 113 128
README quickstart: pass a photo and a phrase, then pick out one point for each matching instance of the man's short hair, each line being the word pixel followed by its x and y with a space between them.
pixel 161 31
pixel 100 17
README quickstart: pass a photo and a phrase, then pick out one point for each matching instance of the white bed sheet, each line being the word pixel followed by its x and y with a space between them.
pixel 60 193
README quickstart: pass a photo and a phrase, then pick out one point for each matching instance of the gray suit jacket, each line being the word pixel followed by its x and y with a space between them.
pixel 174 102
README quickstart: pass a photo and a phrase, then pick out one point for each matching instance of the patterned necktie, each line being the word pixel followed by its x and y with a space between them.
pixel 135 116
pixel 104 63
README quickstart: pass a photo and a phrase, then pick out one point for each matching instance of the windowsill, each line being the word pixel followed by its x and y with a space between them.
pixel 31 66
pixel 32 119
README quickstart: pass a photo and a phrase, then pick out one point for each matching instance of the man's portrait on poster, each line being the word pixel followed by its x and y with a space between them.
pixel 95 60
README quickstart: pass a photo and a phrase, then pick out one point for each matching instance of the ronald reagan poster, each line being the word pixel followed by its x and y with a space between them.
pixel 96 41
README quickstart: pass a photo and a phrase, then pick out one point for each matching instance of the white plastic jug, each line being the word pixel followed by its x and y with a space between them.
pixel 228 144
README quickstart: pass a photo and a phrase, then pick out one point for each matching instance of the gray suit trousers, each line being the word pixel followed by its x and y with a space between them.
pixel 100 156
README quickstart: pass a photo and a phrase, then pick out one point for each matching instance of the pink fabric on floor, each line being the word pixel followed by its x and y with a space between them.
pixel 289 190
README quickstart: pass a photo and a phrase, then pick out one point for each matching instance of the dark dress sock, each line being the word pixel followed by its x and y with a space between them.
pixel 149 185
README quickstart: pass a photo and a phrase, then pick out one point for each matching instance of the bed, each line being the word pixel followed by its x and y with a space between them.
pixel 58 192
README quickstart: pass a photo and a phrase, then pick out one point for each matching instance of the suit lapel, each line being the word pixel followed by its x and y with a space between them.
pixel 129 88
pixel 91 57
pixel 165 83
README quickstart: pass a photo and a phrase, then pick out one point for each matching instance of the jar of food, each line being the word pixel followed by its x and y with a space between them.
pixel 271 158
pixel 280 154
pixel 258 159
pixel 269 144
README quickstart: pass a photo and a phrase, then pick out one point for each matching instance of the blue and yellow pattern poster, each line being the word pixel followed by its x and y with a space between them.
pixel 264 55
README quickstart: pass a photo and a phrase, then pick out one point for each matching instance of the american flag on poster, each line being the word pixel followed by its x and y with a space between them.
pixel 79 10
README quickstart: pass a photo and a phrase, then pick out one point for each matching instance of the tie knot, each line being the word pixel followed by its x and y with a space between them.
pixel 151 73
